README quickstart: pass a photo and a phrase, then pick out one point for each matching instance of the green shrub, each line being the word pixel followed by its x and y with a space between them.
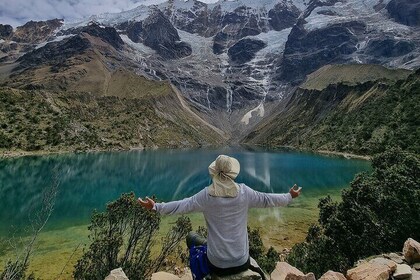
pixel 377 214
pixel 267 261
pixel 122 236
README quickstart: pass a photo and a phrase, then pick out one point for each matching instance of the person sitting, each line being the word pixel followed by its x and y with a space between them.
pixel 225 206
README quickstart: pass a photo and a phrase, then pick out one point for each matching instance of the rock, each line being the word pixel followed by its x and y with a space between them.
pixel 403 271
pixel 5 31
pixel 405 11
pixel 369 271
pixel 35 32
pixel 411 251
pixel 55 52
pixel 159 34
pixel 107 34
pixel 389 47
pixel 383 261
pixel 395 257
pixel 415 275
pixel 285 271
pixel 283 16
pixel 117 274
pixel 416 266
pixel 164 276
pixel 246 275
pixel 332 275
pixel 308 50
pixel 245 50
pixel 309 276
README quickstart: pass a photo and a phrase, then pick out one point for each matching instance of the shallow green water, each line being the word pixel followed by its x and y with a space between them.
pixel 89 181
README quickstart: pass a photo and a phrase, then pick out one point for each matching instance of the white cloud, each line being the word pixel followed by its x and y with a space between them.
pixel 18 12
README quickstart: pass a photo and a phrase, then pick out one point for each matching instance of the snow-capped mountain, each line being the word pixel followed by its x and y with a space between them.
pixel 235 57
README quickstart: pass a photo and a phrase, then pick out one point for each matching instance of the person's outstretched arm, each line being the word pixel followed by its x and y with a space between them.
pixel 187 205
pixel 263 200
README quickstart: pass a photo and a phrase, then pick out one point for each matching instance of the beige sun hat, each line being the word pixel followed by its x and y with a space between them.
pixel 223 172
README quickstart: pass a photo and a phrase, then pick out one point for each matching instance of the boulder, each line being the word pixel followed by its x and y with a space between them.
pixel 285 271
pixel 246 275
pixel 161 275
pixel 383 261
pixel 403 272
pixel 411 251
pixel 415 275
pixel 332 275
pixel 369 271
pixel 117 274
pixel 395 257
pixel 416 266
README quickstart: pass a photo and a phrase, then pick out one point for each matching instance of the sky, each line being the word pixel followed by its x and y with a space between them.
pixel 18 12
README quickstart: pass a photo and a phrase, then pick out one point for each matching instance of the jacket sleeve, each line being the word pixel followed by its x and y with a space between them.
pixel 264 200
pixel 194 203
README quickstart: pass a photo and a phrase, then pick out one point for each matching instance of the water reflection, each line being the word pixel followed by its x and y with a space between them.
pixel 89 181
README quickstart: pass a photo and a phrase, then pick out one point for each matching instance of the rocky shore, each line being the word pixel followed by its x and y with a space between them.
pixel 403 265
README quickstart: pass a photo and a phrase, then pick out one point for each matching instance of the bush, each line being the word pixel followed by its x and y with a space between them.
pixel 267 261
pixel 122 236
pixel 377 214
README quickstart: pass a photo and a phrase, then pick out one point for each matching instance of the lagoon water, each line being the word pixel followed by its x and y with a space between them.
pixel 89 181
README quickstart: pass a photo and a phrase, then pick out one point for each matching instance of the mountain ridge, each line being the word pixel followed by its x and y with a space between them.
pixel 234 62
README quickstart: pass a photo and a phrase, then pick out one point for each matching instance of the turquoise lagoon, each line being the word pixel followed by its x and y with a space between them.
pixel 89 181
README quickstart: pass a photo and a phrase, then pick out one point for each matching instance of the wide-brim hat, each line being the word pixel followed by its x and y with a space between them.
pixel 223 172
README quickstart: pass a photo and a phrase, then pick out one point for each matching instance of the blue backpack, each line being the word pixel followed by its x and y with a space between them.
pixel 198 262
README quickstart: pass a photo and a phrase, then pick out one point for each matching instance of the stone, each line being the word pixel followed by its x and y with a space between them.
pixel 403 271
pixel 416 266
pixel 309 276
pixel 332 275
pixel 411 251
pixel 395 257
pixel 246 275
pixel 369 271
pixel 405 11
pixel 161 275
pixel 383 261
pixel 415 275
pixel 285 271
pixel 117 274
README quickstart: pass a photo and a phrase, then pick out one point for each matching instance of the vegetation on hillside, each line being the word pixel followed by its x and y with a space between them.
pixel 362 119
pixel 352 74
pixel 376 215
pixel 39 120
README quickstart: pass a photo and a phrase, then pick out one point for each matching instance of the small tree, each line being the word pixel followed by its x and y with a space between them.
pixel 122 236
pixel 377 214
pixel 266 260
pixel 16 269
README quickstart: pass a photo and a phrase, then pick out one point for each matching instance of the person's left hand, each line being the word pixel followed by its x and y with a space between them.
pixel 148 203
pixel 295 192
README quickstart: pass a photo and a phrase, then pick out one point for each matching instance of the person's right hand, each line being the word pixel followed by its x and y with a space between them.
pixel 148 203
pixel 295 192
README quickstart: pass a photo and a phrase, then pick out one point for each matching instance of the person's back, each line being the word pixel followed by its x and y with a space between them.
pixel 225 207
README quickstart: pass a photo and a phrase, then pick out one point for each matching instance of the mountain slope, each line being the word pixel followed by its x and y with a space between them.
pixel 146 114
pixel 363 118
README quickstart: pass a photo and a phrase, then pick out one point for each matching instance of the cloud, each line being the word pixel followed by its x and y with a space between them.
pixel 18 12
